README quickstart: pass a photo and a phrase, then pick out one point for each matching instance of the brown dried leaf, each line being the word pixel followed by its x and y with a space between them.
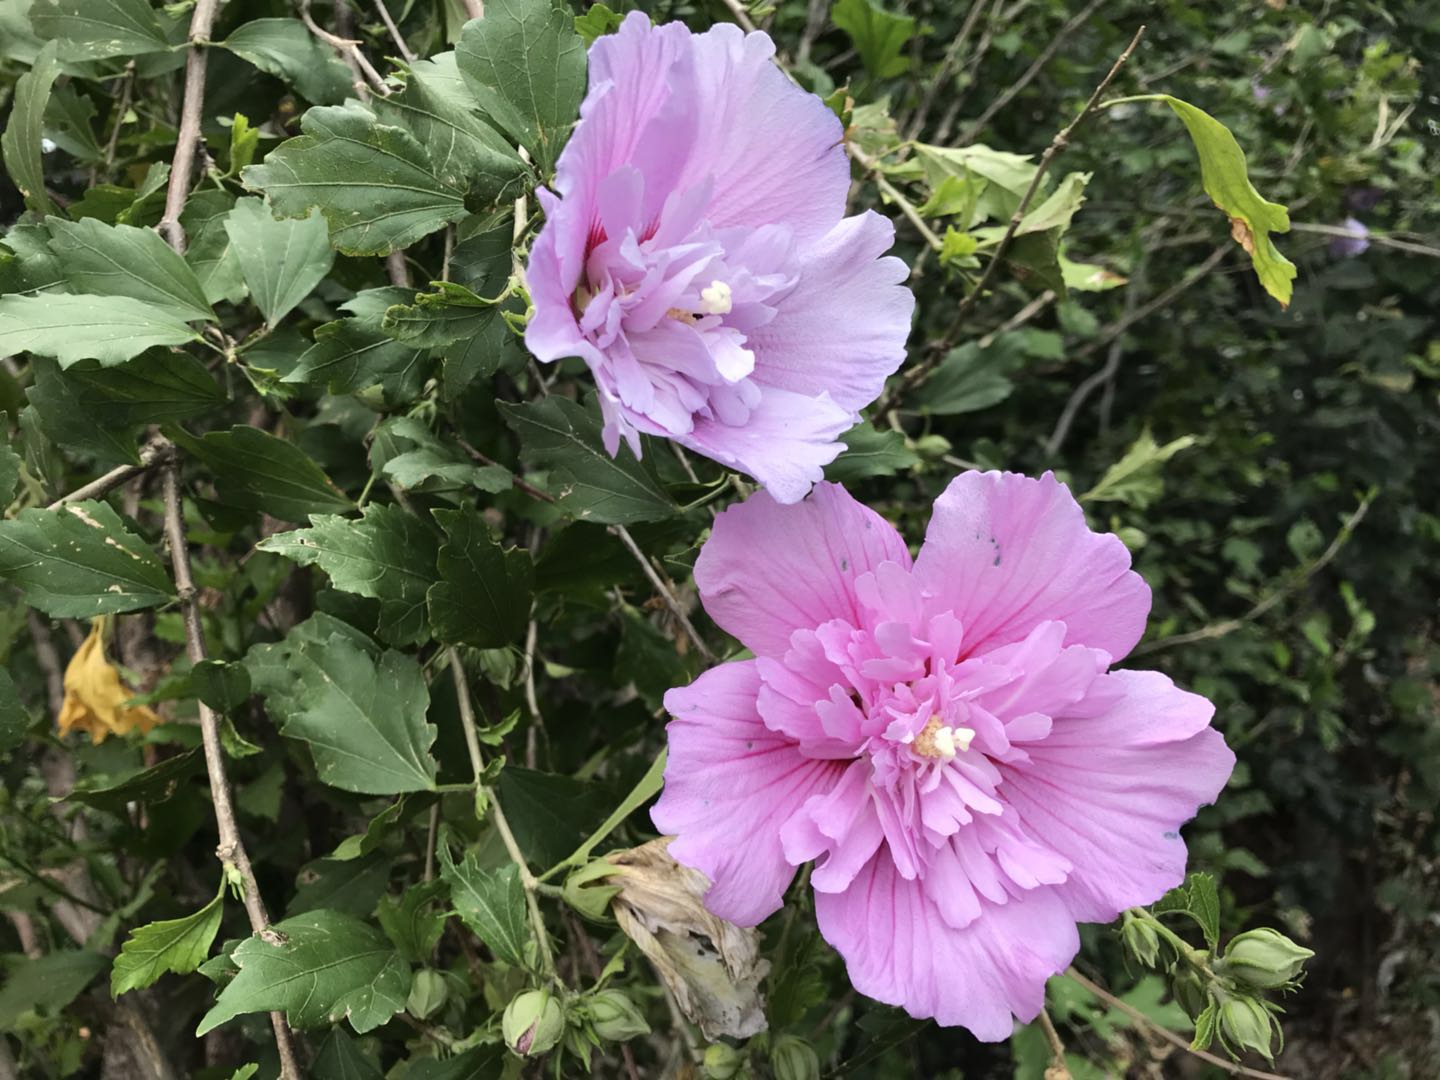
pixel 712 967
pixel 95 697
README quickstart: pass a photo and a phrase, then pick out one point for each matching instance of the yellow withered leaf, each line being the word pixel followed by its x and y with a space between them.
pixel 95 698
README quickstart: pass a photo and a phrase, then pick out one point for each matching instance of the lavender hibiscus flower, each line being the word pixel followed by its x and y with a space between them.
pixel 697 257
pixel 942 735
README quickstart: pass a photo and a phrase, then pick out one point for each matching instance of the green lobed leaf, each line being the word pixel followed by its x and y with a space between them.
pixel 81 561
pixel 49 984
pixel 155 784
pixel 286 49
pixel 96 29
pixel 1227 181
pixel 373 181
pixel 169 945
pixel 10 465
pixel 362 714
pixel 20 141
pixel 208 250
pixel 491 902
pixel 869 452
pixel 280 260
pixel 1205 905
pixel 353 886
pixel 110 329
pixel 1136 478
pixel 341 1057
pixel 880 36
pixel 413 921
pixel 318 967
pixel 256 471
pixel 484 593
pixel 525 64
pixel 121 260
pixel 968 379
pixel 563 438
pixel 387 555
pixel 597 21
pixel 466 152
pixel 69 118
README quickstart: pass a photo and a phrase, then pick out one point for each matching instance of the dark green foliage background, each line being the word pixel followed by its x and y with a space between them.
pixel 1320 645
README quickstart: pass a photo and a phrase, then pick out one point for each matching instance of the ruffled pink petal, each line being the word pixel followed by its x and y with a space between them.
pixel 769 570
pixel 844 327
pixel 775 153
pixel 1005 553
pixel 1110 792
pixel 785 443
pixel 898 950
pixel 730 784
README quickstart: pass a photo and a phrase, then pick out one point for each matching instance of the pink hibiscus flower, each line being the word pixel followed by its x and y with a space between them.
pixel 943 737
pixel 696 255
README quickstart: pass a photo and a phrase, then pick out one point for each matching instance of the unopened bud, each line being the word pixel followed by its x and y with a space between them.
pixel 427 993
pixel 614 1016
pixel 722 1061
pixel 533 1023
pixel 932 447
pixel 1245 1024
pixel 794 1059
pixel 1188 988
pixel 1140 940
pixel 1265 959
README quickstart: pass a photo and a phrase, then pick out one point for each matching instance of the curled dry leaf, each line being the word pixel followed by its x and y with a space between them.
pixel 712 967
pixel 95 698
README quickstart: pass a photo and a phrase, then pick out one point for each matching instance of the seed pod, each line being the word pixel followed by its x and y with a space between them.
pixel 533 1023
pixel 722 1061
pixel 794 1059
pixel 614 1016
pixel 1265 959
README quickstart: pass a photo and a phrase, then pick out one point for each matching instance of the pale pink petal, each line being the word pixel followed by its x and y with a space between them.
pixel 769 570
pixel 851 305
pixel 785 443
pixel 730 784
pixel 1006 553
pixel 1110 792
pixel 899 950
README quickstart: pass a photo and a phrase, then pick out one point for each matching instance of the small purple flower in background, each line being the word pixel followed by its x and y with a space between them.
pixel 1356 243
pixel 943 736
pixel 696 255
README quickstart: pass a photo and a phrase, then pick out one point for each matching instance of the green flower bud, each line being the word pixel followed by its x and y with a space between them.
pixel 614 1016
pixel 427 993
pixel 794 1059
pixel 932 447
pixel 1140 940
pixel 722 1061
pixel 1265 959
pixel 533 1023
pixel 1188 988
pixel 1245 1024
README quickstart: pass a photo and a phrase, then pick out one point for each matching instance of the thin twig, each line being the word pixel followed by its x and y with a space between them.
pixel 362 71
pixel 1270 599
pixel 1140 1019
pixel 945 70
pixel 1007 95
pixel 897 197
pixel 502 826
pixel 395 34
pixel 1374 238
pixel 231 849
pixel 1112 333
pixel 1020 318
pixel 666 592
pixel 398 269
pixel 474 8
pixel 532 703
pixel 188 139
pixel 150 453
pixel 918 372
pixel 127 84
pixel 741 16
pixel 816 16
pixel 48 657
pixel 1057 1048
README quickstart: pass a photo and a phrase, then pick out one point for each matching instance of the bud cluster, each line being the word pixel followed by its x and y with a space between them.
pixel 1223 992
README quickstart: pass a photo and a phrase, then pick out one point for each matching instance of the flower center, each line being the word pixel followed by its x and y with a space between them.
pixel 715 298
pixel 941 743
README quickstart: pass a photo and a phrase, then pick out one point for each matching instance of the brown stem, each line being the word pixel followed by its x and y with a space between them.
pixel 474 8
pixel 943 72
pixel 230 850
pixel 127 84
pixel 361 70
pixel 188 140
pixel 919 372
pixel 1057 1048
pixel 1008 94
pixel 1141 1020
pixel 396 267
pixel 150 453
pixel 395 34
pixel 666 591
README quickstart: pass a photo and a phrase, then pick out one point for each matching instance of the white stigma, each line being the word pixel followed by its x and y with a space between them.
pixel 941 743
pixel 715 299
